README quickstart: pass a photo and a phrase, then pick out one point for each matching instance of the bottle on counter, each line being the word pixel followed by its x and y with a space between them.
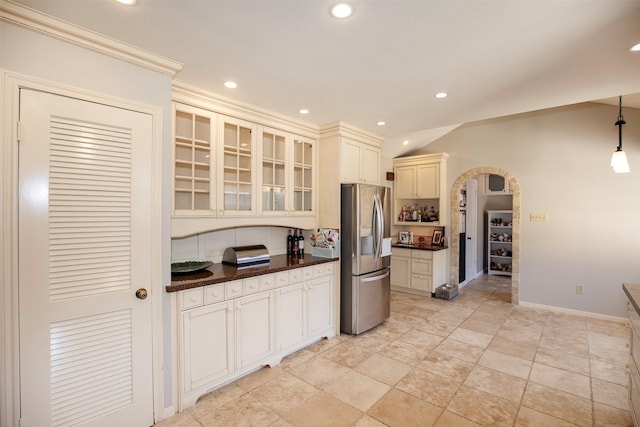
pixel 301 245
pixel 290 244
pixel 295 252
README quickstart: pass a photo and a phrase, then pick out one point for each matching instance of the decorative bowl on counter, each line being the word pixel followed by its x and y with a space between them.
pixel 186 267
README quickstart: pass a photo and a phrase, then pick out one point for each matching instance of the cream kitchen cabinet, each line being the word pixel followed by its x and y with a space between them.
pixel 420 186
pixel 346 155
pixel 255 329
pixel 236 167
pixel 232 168
pixel 417 271
pixel 418 182
pixel 288 174
pixel 360 162
pixel 304 311
pixel 230 329
pixel 194 161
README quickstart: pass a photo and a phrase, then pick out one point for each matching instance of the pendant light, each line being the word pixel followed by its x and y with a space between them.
pixel 619 161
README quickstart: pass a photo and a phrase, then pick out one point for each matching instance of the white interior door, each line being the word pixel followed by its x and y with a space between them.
pixel 471 257
pixel 84 250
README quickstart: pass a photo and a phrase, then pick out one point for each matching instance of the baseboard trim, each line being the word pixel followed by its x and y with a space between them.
pixel 168 412
pixel 573 312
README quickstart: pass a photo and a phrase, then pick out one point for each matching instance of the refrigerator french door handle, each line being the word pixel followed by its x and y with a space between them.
pixel 379 226
pixel 376 278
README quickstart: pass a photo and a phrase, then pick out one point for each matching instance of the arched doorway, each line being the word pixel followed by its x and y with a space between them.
pixel 455 232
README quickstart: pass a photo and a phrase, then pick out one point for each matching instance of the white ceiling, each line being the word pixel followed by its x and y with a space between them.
pixel 386 62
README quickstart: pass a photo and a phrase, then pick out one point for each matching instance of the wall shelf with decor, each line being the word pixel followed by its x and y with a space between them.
pixel 500 242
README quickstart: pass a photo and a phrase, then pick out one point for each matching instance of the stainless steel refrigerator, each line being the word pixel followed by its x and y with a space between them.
pixel 364 257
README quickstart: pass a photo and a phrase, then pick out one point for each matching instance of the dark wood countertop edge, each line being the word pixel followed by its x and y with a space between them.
pixel 630 289
pixel 420 248
pixel 307 262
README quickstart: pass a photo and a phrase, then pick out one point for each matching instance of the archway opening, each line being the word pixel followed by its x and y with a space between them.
pixel 454 240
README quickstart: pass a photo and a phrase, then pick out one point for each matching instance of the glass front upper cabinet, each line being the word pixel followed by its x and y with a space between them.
pixel 302 175
pixel 238 175
pixel 274 148
pixel 193 190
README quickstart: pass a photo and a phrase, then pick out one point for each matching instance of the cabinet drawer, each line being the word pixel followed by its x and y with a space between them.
pixel 191 298
pixel 213 293
pixel 401 252
pixel 267 282
pixel 233 289
pixel 282 279
pixel 420 266
pixel 320 270
pixel 307 273
pixel 251 285
pixel 420 254
pixel 295 275
pixel 421 282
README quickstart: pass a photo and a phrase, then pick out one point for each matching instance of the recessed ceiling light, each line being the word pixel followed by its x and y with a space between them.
pixel 635 48
pixel 381 123
pixel 303 111
pixel 341 10
pixel 441 95
pixel 231 85
pixel 127 2
pixel 405 142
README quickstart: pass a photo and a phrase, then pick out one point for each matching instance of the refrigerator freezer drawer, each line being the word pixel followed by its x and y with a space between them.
pixel 368 302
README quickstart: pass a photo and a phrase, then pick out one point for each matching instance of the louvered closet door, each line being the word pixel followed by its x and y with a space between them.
pixel 84 249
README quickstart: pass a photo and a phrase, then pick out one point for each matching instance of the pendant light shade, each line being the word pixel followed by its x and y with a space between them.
pixel 619 161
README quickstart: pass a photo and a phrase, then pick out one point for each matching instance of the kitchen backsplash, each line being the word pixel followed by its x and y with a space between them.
pixel 210 246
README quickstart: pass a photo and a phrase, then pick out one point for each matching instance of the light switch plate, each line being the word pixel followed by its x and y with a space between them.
pixel 538 217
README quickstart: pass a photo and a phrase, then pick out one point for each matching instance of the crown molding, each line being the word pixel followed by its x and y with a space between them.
pixel 34 20
pixel 187 94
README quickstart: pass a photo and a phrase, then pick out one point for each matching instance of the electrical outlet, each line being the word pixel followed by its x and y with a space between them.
pixel 538 217
pixel 579 289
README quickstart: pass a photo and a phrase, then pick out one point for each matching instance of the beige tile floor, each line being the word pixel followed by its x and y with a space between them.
pixel 473 361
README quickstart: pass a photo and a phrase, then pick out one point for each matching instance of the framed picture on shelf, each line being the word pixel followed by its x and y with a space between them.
pixel 436 238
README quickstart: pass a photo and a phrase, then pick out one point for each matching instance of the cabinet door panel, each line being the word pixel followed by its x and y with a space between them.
pixel 254 328
pixel 350 161
pixel 405 182
pixel 400 271
pixel 207 345
pixel 290 302
pixel 422 283
pixel 370 167
pixel 320 305
pixel 428 181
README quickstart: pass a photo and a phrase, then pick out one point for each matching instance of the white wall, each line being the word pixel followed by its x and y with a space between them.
pixel 34 55
pixel 561 160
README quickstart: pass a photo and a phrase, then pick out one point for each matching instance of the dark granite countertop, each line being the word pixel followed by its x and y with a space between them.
pixel 220 273
pixel 424 246
pixel 633 293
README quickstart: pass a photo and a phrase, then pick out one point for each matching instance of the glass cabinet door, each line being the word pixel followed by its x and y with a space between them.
pixel 192 162
pixel 237 166
pixel 273 172
pixel 302 175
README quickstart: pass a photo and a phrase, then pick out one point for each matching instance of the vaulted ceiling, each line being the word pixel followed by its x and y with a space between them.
pixel 388 60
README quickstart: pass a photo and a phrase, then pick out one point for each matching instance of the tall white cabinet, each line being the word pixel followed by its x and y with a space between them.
pixel 499 242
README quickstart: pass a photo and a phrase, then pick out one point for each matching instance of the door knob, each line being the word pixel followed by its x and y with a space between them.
pixel 141 293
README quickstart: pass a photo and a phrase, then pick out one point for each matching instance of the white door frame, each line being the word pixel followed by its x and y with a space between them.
pixel 10 84
pixel 471 245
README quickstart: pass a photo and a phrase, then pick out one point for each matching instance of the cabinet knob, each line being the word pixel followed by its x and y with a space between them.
pixel 141 293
